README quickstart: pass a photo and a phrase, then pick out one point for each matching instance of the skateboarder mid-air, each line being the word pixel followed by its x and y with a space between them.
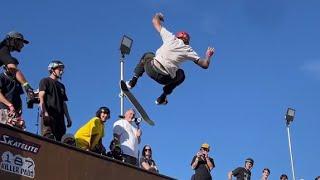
pixel 163 66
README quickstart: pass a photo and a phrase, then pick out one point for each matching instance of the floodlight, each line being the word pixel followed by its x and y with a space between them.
pixel 290 115
pixel 126 44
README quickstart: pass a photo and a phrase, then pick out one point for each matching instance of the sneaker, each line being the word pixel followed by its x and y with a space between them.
pixel 130 84
pixel 50 136
pixel 162 100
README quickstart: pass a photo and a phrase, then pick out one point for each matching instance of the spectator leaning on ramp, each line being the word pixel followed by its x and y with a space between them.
pixel 146 161
pixel 53 97
pixel 89 137
pixel 14 41
pixel 163 67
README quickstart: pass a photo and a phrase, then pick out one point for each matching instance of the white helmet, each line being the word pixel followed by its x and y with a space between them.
pixel 55 64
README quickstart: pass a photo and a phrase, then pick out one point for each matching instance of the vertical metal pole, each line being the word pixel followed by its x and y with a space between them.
pixel 121 78
pixel 290 151
pixel 38 124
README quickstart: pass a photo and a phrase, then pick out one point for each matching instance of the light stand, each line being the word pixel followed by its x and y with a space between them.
pixel 125 47
pixel 289 118
pixel 38 122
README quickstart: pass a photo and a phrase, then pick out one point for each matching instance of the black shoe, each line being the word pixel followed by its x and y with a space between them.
pixel 50 136
pixel 130 84
pixel 162 100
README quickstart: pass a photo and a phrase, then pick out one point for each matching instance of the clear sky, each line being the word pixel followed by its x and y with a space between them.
pixel 267 59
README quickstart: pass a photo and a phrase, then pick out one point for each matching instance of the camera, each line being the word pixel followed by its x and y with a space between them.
pixel 34 100
pixel 137 120
pixel 115 151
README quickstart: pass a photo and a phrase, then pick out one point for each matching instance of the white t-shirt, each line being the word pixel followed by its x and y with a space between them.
pixel 173 52
pixel 128 140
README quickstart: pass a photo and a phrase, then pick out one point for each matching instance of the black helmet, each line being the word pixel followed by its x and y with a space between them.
pixel 16 35
pixel 102 110
pixel 250 160
pixel 55 64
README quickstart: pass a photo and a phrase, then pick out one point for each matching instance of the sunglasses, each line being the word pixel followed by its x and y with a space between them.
pixel 147 149
pixel 205 149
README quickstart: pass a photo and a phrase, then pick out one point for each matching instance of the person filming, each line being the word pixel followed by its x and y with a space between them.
pixel 202 164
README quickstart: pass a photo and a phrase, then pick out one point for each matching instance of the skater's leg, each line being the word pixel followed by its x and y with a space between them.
pixel 139 69
pixel 168 88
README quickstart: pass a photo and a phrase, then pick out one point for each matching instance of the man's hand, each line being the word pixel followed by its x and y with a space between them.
pixel 199 154
pixel 69 122
pixel 139 132
pixel 159 16
pixel 12 111
pixel 44 114
pixel 156 21
pixel 210 52
pixel 47 120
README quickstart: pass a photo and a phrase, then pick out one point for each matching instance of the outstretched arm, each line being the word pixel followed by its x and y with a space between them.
pixel 157 21
pixel 205 62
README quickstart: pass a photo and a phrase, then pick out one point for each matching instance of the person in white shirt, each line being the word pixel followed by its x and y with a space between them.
pixel 164 66
pixel 128 134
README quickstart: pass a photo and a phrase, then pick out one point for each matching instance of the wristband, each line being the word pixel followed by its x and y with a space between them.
pixel 25 84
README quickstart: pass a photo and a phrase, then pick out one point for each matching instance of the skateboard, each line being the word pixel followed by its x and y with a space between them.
pixel 135 103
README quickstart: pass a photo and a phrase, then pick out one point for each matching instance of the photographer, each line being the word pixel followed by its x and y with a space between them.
pixel 202 164
pixel 52 94
pixel 128 134
pixel 10 100
pixel 89 136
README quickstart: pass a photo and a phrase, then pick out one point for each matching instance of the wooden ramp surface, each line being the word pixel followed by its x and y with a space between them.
pixel 25 156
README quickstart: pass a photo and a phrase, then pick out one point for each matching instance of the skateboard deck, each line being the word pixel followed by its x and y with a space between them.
pixel 135 103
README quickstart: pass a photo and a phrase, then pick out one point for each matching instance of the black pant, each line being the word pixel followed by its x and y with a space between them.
pixel 55 126
pixel 146 64
pixel 130 160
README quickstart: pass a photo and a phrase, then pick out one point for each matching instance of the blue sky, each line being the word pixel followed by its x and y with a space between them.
pixel 267 59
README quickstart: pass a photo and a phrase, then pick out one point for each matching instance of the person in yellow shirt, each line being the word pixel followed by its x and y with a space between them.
pixel 89 136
